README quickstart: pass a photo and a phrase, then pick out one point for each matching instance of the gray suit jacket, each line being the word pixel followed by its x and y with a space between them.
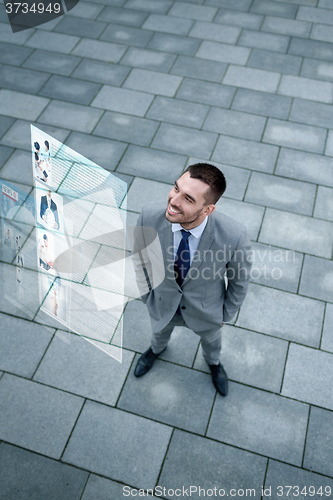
pixel 204 299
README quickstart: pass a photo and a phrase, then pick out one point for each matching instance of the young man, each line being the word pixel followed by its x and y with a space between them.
pixel 199 245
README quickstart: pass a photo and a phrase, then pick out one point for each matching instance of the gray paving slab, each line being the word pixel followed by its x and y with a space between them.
pixel 137 197
pixel 254 79
pixel 246 154
pixel 87 10
pixel 148 59
pixel 312 113
pixel 126 128
pixel 54 42
pixel 312 386
pixel 324 203
pixel 170 394
pixel 299 165
pixel 295 135
pixel 281 63
pixel 12 54
pixel 317 279
pixel 168 24
pixel 152 164
pixel 184 140
pixel 16 167
pixel 297 232
pixel 322 32
pixel 76 117
pixel 329 144
pixel 102 488
pixel 51 62
pixel 262 103
pixel 160 6
pixel 282 314
pixel 206 93
pixel 236 18
pixel 80 27
pixel 22 345
pixel 306 88
pixel 327 339
pixel 101 72
pixel 122 100
pixel 269 8
pixel 286 26
pixel 325 3
pixel 210 31
pixel 312 14
pixel 104 152
pixel 261 40
pixel 70 89
pixel 234 123
pixel 4 155
pixel 210 71
pixel 97 49
pixel 178 112
pixel 279 475
pixel 16 105
pixel 320 70
pixel 199 12
pixel 123 17
pixel 182 347
pixel 278 192
pixel 249 215
pixel 118 445
pixel 311 48
pixel 152 82
pixel 261 422
pixel 28 475
pixel 35 416
pixel 126 35
pixel 239 5
pixel 225 467
pixel 223 52
pixel 6 34
pixel 5 123
pixel 250 358
pixel 174 43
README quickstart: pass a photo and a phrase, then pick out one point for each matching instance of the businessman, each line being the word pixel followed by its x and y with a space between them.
pixel 201 250
pixel 46 203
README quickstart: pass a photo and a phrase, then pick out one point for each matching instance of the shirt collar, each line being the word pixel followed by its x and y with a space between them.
pixel 196 231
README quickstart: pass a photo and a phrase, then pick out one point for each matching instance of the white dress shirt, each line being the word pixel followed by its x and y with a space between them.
pixel 193 240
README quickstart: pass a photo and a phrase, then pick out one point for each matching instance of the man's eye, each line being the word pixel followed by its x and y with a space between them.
pixel 188 199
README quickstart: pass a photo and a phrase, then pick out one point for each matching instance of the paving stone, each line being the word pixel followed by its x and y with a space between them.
pixel 121 16
pixel 152 82
pixel 70 89
pixel 325 4
pixel 324 203
pixel 80 27
pixel 255 79
pixel 16 167
pixel 126 128
pixel 174 43
pixel 241 19
pixel 148 59
pixel 239 468
pixel 4 155
pixel 199 68
pixel 5 124
pixel 28 475
pixel 170 394
pixel 295 135
pixel 178 112
pixel 166 24
pixel 223 53
pixel 286 26
pixel 102 51
pixel 126 35
pixel 75 116
pixel 282 474
pixel 312 14
pixel 238 5
pixel 12 54
pixel 268 8
pixel 282 314
pixel 319 444
pixel 103 489
pixel 122 100
pixel 103 152
pixel 199 12
pixel 282 63
pixel 235 123
pixel 140 443
pixel 306 88
pixel 329 144
pixel 51 62
pixel 86 10
pixel 299 165
pixel 210 31
pixel 278 192
pixel 261 103
pixel 317 278
pixel 319 70
pixel 312 113
pixel 55 42
pixel 36 417
pixel 261 422
pixel 22 345
pixel 206 93
pixel 6 34
pixel 19 135
pixel 311 48
pixel 249 215
pixel 297 232
pixel 155 165
pixel 184 140
pixel 16 105
pixel 160 6
pixel 313 386
pixel 246 154
pixel 137 197
pixel 322 32
pixel 101 72
pixel 260 40
pixel 327 340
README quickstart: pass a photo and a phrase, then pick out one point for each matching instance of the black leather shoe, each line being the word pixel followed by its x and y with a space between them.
pixel 145 362
pixel 220 379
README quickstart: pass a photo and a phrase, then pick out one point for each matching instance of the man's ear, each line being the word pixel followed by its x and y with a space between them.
pixel 209 209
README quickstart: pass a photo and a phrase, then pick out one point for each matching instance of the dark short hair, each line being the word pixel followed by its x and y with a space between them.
pixel 47 144
pixel 211 175
pixel 44 237
pixel 37 146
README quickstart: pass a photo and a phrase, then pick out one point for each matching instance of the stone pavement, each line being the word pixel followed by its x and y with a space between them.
pixel 143 88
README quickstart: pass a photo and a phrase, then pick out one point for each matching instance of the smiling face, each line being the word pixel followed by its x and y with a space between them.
pixel 187 202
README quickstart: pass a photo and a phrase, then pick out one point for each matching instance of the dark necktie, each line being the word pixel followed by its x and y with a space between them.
pixel 182 261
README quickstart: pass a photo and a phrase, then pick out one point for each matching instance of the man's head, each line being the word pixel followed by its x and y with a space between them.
pixel 49 194
pixel 46 241
pixel 194 195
